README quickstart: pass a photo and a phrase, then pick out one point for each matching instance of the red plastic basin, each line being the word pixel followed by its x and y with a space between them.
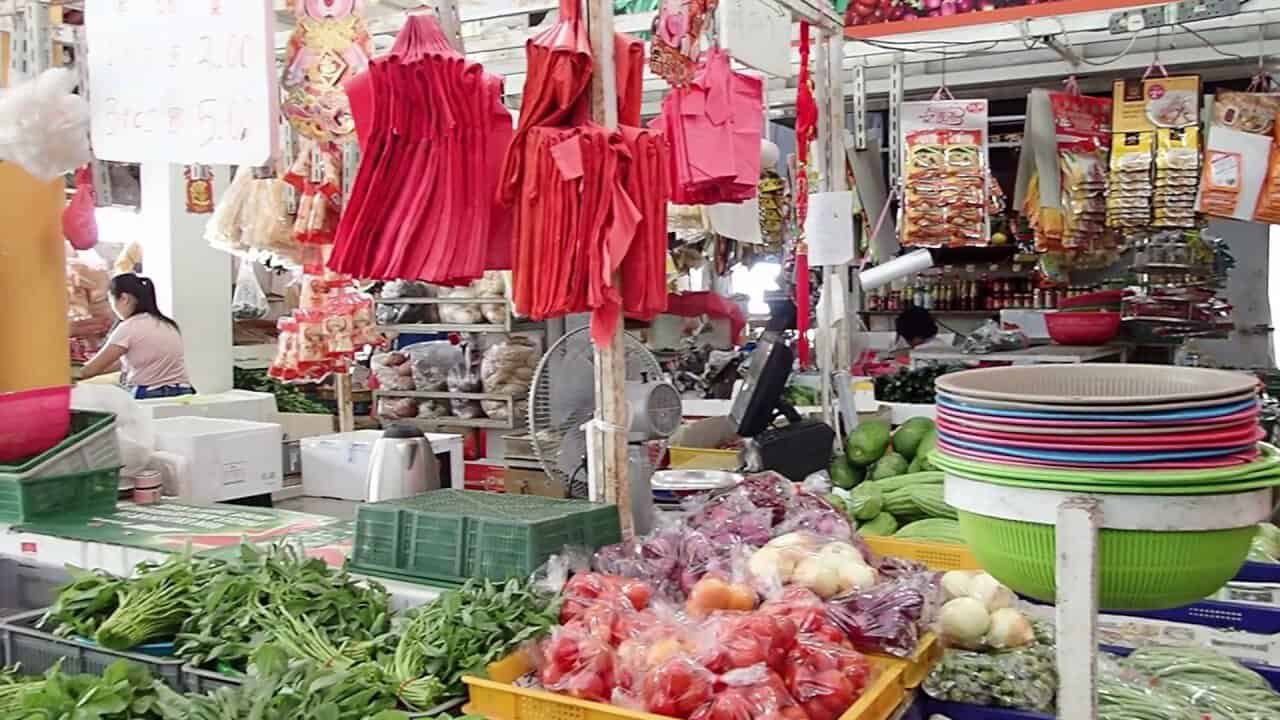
pixel 1082 328
pixel 32 421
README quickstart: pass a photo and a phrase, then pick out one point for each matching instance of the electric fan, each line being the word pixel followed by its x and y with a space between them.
pixel 562 399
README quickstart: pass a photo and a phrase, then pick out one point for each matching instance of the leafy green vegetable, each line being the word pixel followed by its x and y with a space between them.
pixel 1024 679
pixel 462 632
pixel 912 385
pixel 125 691
pixel 289 398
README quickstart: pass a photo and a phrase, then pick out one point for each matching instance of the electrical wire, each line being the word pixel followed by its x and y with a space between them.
pixel 1209 44
pixel 1133 38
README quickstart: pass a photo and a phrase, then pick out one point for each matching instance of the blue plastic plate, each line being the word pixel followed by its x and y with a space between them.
pixel 1191 414
pixel 1088 457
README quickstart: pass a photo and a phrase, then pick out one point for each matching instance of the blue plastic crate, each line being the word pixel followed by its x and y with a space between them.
pixel 1259 572
pixel 1257 619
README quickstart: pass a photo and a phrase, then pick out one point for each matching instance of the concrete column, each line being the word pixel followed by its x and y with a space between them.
pixel 33 289
pixel 193 281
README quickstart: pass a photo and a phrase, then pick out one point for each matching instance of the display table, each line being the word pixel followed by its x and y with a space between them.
pixel 116 542
pixel 1029 356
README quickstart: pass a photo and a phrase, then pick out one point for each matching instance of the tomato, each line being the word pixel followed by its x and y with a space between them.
pixel 638 593
pixel 578 664
pixel 730 704
pixel 677 688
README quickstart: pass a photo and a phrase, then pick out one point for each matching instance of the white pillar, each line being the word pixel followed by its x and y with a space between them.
pixel 193 281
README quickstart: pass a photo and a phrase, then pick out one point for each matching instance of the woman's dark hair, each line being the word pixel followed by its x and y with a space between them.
pixel 915 323
pixel 144 292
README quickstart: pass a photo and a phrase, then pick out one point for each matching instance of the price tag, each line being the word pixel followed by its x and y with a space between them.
pixel 182 82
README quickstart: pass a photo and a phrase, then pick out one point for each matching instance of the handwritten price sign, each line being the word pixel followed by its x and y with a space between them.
pixel 182 81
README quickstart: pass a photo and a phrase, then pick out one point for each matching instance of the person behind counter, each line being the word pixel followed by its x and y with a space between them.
pixel 917 328
pixel 145 344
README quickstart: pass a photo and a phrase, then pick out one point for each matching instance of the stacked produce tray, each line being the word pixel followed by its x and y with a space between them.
pixel 1259 572
pixel 938 556
pixel 202 682
pixel 79 475
pixel 450 536
pixel 498 698
pixel 37 651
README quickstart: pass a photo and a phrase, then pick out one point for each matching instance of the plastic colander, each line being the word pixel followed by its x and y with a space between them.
pixel 32 421
pixel 1138 570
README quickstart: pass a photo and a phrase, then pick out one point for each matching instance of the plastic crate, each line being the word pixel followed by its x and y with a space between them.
pixel 691 458
pixel 37 651
pixel 498 699
pixel 938 556
pixel 90 445
pixel 1259 572
pixel 91 492
pixel 917 666
pixel 1256 619
pixel 453 535
pixel 199 681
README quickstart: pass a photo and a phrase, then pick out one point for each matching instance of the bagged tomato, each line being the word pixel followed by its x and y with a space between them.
pixel 638 656
pixel 754 692
pixel 578 664
pixel 807 611
pixel 825 678
pixel 677 687
pixel 730 641
pixel 586 589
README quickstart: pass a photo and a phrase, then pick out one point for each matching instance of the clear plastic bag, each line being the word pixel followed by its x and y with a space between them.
pixel 507 369
pixel 1023 679
pixel 885 618
pixel 990 337
pixel 248 302
pixel 393 314
pixel 827 567
pixel 223 231
pixel 465 378
pixel 44 126
pixel 1212 682
pixel 825 677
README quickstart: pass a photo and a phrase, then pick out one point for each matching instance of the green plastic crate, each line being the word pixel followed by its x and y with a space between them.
pixel 89 445
pixel 452 535
pixel 92 492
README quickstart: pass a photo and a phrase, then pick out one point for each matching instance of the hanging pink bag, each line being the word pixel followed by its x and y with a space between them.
pixel 79 225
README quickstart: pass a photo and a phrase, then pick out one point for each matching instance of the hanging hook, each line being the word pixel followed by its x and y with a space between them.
pixel 1261 81
pixel 944 92
pixel 1156 65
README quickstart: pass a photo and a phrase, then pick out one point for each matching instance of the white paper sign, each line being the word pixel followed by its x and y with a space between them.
pixel 828 228
pixel 182 81
pixel 757 33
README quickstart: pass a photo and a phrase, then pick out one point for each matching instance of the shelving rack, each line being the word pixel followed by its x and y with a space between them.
pixel 511 325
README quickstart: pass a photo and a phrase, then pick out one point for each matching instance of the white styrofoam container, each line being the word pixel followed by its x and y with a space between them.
pixel 902 412
pixel 226 459
pixel 230 405
pixel 1030 322
pixel 337 466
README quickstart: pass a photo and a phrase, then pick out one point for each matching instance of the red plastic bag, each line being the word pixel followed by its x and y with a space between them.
pixel 825 678
pixel 578 664
pixel 79 225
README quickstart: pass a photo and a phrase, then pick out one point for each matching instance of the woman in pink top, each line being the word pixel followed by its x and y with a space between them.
pixel 145 343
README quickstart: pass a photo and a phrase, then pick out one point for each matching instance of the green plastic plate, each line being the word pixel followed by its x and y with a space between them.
pixel 1264 467
pixel 1256 483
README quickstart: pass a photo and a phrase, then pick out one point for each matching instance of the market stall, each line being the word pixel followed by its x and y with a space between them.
pixel 855 530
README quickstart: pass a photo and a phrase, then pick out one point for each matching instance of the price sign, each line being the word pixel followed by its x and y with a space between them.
pixel 182 81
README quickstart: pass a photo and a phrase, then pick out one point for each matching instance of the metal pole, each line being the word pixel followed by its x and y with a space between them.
pixel 607 437
pixel 896 93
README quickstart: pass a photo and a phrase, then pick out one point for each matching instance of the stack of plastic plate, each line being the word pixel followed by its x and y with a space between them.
pixel 1145 441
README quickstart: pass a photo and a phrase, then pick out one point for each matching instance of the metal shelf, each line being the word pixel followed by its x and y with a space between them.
pixel 511 325
pixel 449 420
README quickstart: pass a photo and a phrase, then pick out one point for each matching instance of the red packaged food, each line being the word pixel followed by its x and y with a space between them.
pixel 677 687
pixel 825 677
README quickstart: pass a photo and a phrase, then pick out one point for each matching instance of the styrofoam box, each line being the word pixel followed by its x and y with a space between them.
pixel 227 459
pixel 337 466
pixel 230 405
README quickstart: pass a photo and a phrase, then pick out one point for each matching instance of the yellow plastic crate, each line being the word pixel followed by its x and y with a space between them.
pixel 916 666
pixel 498 699
pixel 690 458
pixel 938 556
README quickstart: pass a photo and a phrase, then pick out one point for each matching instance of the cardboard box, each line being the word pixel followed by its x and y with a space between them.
pixel 226 459
pixel 523 481
pixel 304 425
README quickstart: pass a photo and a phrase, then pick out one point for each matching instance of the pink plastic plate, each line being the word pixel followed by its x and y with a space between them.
pixel 1247 414
pixel 1225 461
pixel 1076 432
pixel 1247 433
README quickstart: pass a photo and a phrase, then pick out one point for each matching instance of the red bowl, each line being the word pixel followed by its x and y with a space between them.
pixel 32 421
pixel 1082 328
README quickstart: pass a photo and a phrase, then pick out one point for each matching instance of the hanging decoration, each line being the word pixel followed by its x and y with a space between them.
pixel 330 45
pixel 806 131
pixel 677 31
pixel 199 189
